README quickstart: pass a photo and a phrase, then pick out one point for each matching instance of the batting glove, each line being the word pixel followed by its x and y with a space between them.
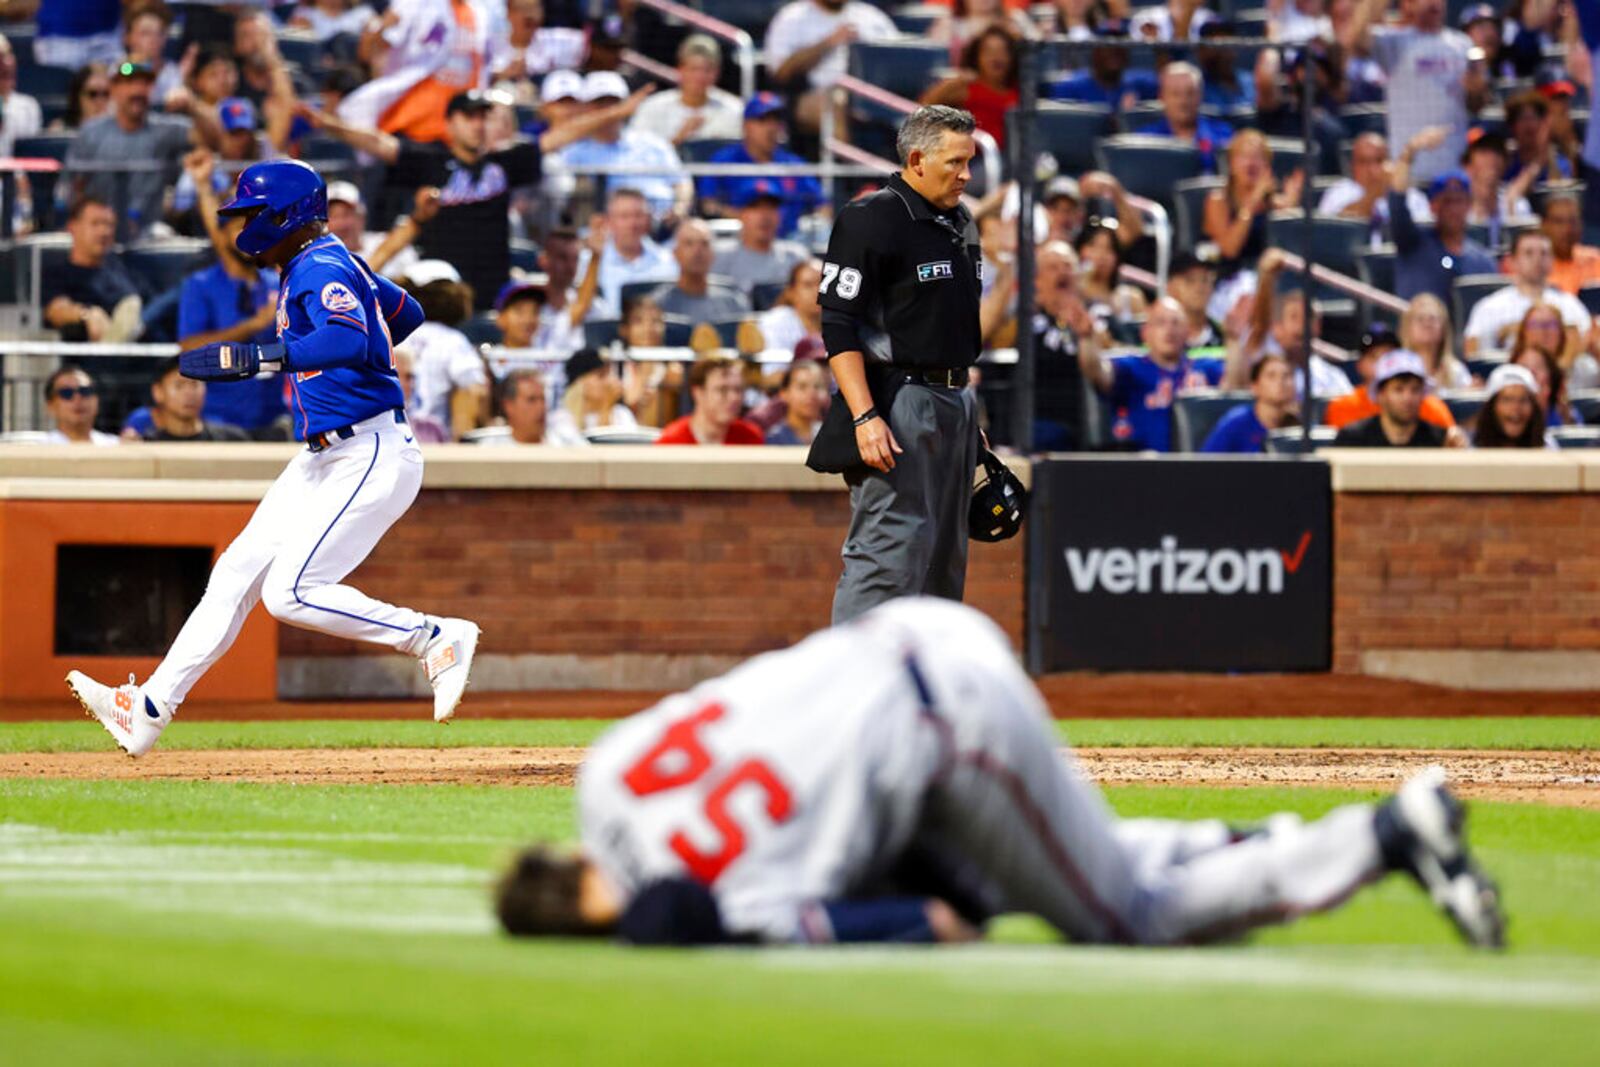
pixel 229 361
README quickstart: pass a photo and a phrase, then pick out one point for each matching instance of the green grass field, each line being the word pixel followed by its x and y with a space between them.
pixel 201 922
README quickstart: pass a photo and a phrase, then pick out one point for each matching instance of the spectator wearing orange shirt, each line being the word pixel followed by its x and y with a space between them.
pixel 1360 403
pixel 717 387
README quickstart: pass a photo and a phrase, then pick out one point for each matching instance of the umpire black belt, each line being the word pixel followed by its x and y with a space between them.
pixel 327 438
pixel 943 378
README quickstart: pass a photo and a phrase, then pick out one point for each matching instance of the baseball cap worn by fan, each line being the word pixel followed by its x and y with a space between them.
pixel 1508 374
pixel 133 68
pixel 1186 261
pixel 762 105
pixel 1553 83
pixel 1477 13
pixel 471 100
pixel 756 191
pixel 1399 364
pixel 517 288
pixel 603 85
pixel 427 271
pixel 1379 335
pixel 345 193
pixel 561 85
pixel 1061 186
pixel 237 114
pixel 1449 179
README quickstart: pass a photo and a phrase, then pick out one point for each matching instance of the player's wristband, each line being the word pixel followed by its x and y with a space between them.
pixel 866 417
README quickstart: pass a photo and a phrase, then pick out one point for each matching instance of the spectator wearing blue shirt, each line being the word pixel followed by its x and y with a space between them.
pixel 1182 89
pixel 1108 80
pixel 1141 388
pixel 1428 261
pixel 762 143
pixel 1245 428
pixel 231 300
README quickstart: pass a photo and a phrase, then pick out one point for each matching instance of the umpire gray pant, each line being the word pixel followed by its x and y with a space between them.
pixel 908 527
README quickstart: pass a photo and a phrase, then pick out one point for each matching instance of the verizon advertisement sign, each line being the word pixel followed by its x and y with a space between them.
pixel 1179 564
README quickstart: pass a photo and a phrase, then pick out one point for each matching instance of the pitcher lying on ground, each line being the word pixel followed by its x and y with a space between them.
pixel 897 778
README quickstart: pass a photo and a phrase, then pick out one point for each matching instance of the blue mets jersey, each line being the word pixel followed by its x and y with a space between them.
pixel 339 321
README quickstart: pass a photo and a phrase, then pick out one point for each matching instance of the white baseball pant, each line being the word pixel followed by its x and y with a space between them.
pixel 1040 838
pixel 320 519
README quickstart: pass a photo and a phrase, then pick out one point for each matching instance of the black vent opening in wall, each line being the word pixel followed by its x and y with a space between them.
pixel 119 600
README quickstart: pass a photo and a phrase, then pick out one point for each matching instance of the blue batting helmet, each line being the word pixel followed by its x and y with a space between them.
pixel 291 194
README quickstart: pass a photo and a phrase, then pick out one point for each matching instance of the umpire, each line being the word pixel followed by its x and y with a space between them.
pixel 900 291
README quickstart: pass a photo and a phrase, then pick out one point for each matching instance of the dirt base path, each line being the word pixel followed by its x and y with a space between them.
pixel 1569 779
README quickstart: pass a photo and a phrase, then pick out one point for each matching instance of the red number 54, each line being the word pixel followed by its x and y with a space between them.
pixel 679 759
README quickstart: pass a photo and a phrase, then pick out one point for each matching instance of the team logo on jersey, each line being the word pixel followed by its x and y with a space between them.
pixel 932 272
pixel 336 296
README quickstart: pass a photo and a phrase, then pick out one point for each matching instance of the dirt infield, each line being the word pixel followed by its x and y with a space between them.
pixel 1071 696
pixel 1569 779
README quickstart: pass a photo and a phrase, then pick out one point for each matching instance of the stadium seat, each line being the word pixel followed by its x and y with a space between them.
pixel 1291 440
pixel 1575 436
pixel 1364 118
pixel 1195 414
pixel 1586 402
pixel 21 38
pixel 1464 404
pixel 1485 365
pixel 1069 132
pixel 702 151
pixel 633 289
pixel 765 295
pixel 598 333
pixel 1468 289
pixel 1375 266
pixel 905 68
pixel 302 50
pixel 1590 295
pixel 728 330
pixel 915 21
pixel 44 81
pixel 481 329
pixel 1289 156
pixel 31 256
pixel 1189 209
pixel 1334 240
pixel 524 255
pixel 161 265
pixel 751 16
pixel 319 148
pixel 1149 166
pixel 677 331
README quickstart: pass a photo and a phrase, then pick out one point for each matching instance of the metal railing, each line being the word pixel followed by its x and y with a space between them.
pixel 744 45
pixel 848 85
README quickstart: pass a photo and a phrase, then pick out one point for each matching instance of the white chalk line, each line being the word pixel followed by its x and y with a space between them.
pixel 1541 982
pixel 277 884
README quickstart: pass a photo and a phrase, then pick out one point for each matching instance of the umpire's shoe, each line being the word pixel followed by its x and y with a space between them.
pixel 1421 831
pixel 447 659
pixel 132 719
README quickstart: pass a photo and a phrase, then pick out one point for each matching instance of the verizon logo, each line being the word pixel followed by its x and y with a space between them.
pixel 1184 571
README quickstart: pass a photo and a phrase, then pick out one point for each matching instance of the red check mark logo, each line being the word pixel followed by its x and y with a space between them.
pixel 1292 563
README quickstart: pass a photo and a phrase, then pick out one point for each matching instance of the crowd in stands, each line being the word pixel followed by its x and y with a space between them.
pixel 578 196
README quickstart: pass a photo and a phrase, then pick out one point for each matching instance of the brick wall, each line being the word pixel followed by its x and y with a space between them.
pixel 599 572
pixel 1468 571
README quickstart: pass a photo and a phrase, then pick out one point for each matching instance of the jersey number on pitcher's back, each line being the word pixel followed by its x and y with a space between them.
pixel 680 759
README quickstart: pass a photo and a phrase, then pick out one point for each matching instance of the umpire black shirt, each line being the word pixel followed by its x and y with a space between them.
pixel 902 281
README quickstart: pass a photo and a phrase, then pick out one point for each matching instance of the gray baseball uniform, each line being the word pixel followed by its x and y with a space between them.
pixel 799 778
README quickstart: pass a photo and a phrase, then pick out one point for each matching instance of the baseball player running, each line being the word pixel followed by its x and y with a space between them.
pixel 897 778
pixel 338 323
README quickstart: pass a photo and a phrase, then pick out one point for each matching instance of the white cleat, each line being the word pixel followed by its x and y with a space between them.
pixel 447 660
pixel 132 720
pixel 1423 829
